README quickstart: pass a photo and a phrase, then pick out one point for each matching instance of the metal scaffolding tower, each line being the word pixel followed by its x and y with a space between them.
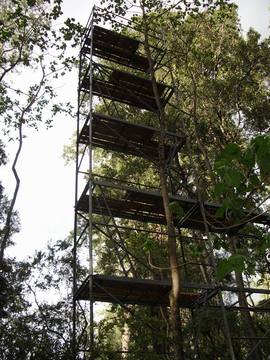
pixel 113 78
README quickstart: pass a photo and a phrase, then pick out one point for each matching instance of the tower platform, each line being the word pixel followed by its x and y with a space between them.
pixel 121 201
pixel 124 290
pixel 112 46
pixel 126 88
pixel 114 134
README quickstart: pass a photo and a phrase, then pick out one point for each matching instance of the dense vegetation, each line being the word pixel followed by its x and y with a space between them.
pixel 221 106
pixel 32 47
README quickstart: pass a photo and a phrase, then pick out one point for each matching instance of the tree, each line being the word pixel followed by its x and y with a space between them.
pixel 30 43
pixel 217 91
pixel 41 329
pixel 33 55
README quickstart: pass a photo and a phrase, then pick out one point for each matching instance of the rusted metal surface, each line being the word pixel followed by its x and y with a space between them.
pixel 147 206
pixel 114 134
pixel 112 46
pixel 132 291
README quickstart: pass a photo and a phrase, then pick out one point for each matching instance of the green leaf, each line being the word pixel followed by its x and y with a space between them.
pixel 223 269
pixel 148 245
pixel 233 263
pixel 248 157
pixel 258 142
pixel 265 243
pixel 221 166
pixel 233 177
pixel 232 151
pixel 264 164
pixel 196 249
pixel 223 163
pixel 237 262
pixel 220 213
pixel 262 150
pixel 254 180
pixel 176 210
pixel 220 188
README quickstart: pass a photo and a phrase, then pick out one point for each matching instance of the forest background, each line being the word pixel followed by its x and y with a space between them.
pixel 40 186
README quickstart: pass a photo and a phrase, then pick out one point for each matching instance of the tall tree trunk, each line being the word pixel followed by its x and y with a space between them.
pixel 246 318
pixel 8 223
pixel 175 273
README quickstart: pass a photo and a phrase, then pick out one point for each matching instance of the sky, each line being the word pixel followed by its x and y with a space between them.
pixel 46 197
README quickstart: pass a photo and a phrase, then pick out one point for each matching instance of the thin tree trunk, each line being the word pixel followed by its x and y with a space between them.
pixel 7 227
pixel 21 121
pixel 247 320
pixel 175 273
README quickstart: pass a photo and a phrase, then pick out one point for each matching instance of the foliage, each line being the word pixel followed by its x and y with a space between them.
pixel 243 175
pixel 32 57
pixel 233 263
pixel 40 328
pixel 30 42
pixel 177 210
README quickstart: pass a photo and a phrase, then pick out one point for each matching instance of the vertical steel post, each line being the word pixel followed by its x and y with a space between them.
pixel 90 227
pixel 74 260
pixel 226 326
pixel 227 332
